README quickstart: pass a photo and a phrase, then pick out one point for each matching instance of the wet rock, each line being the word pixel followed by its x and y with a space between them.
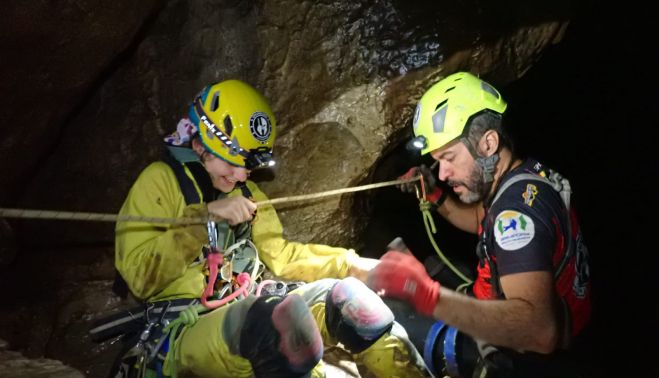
pixel 15 365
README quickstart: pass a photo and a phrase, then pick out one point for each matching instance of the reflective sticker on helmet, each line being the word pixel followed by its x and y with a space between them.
pixel 438 119
pixel 417 112
pixel 260 126
pixel 234 147
pixel 513 230
pixel 490 89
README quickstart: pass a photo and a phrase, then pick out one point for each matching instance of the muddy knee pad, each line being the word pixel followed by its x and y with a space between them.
pixel 280 337
pixel 355 316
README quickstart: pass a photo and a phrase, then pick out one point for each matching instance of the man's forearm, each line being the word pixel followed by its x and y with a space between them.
pixel 512 323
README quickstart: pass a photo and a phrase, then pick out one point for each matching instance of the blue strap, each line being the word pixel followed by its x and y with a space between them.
pixel 449 352
pixel 431 339
pixel 163 351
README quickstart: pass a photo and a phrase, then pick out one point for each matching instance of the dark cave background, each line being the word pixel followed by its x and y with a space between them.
pixel 587 110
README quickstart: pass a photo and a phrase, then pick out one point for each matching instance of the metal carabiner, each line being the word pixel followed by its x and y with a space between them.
pixel 211 226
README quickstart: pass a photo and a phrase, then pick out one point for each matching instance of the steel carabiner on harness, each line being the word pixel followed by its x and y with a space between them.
pixel 215 259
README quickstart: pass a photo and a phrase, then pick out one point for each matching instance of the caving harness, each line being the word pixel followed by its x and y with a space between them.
pixel 232 269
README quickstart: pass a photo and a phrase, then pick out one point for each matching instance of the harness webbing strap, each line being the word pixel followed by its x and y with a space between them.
pixel 117 323
pixel 203 180
pixel 185 183
pixel 557 182
pixel 245 190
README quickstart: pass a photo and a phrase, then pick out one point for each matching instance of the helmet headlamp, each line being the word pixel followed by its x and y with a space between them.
pixel 259 159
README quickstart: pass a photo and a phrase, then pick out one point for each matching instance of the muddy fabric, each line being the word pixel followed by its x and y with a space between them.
pixel 202 349
pixel 390 355
pixel 355 316
pixel 157 261
pixel 280 338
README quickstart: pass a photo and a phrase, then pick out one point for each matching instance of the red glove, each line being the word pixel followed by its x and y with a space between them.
pixel 402 276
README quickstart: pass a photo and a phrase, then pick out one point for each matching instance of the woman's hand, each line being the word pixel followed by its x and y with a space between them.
pixel 234 210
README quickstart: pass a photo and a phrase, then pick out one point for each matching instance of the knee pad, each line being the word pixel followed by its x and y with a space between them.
pixel 280 337
pixel 355 316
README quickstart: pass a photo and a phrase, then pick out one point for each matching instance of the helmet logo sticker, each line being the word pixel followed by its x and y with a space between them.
pixel 417 112
pixel 260 126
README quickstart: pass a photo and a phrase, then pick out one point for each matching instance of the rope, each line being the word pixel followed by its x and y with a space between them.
pixel 100 217
pixel 186 318
pixel 428 221
pixel 336 191
pixel 92 217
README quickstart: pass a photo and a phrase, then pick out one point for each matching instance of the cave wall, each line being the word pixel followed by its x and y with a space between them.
pixel 53 55
pixel 343 78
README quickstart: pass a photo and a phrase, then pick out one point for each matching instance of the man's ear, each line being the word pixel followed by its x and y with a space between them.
pixel 489 143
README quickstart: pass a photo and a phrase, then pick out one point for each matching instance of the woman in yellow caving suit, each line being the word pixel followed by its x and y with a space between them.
pixel 230 131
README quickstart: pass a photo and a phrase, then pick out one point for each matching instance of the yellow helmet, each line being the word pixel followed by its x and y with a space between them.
pixel 448 106
pixel 235 123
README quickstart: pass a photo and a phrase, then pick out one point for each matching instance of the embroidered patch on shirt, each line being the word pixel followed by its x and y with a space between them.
pixel 513 230
pixel 529 194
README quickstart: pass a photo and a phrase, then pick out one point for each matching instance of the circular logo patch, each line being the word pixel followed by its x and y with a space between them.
pixel 513 230
pixel 260 126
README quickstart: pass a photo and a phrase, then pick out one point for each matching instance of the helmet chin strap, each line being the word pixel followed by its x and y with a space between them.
pixel 487 164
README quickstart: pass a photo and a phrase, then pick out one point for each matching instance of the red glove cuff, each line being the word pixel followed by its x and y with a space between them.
pixel 426 305
pixel 437 196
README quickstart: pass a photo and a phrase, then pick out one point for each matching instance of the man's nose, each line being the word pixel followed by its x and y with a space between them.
pixel 443 172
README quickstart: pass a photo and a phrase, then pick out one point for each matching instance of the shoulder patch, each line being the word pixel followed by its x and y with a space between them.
pixel 529 194
pixel 513 230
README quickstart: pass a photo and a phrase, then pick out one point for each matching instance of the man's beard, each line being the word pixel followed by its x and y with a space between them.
pixel 475 184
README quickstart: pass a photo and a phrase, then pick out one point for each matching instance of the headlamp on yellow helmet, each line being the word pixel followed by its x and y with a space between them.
pixel 235 124
pixel 446 109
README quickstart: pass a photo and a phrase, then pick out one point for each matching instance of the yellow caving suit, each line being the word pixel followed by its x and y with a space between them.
pixel 157 262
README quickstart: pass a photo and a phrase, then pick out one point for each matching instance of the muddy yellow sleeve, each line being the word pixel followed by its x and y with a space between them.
pixel 291 260
pixel 154 258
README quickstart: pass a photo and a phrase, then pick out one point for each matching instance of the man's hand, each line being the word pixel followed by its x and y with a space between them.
pixel 234 210
pixel 434 192
pixel 402 276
